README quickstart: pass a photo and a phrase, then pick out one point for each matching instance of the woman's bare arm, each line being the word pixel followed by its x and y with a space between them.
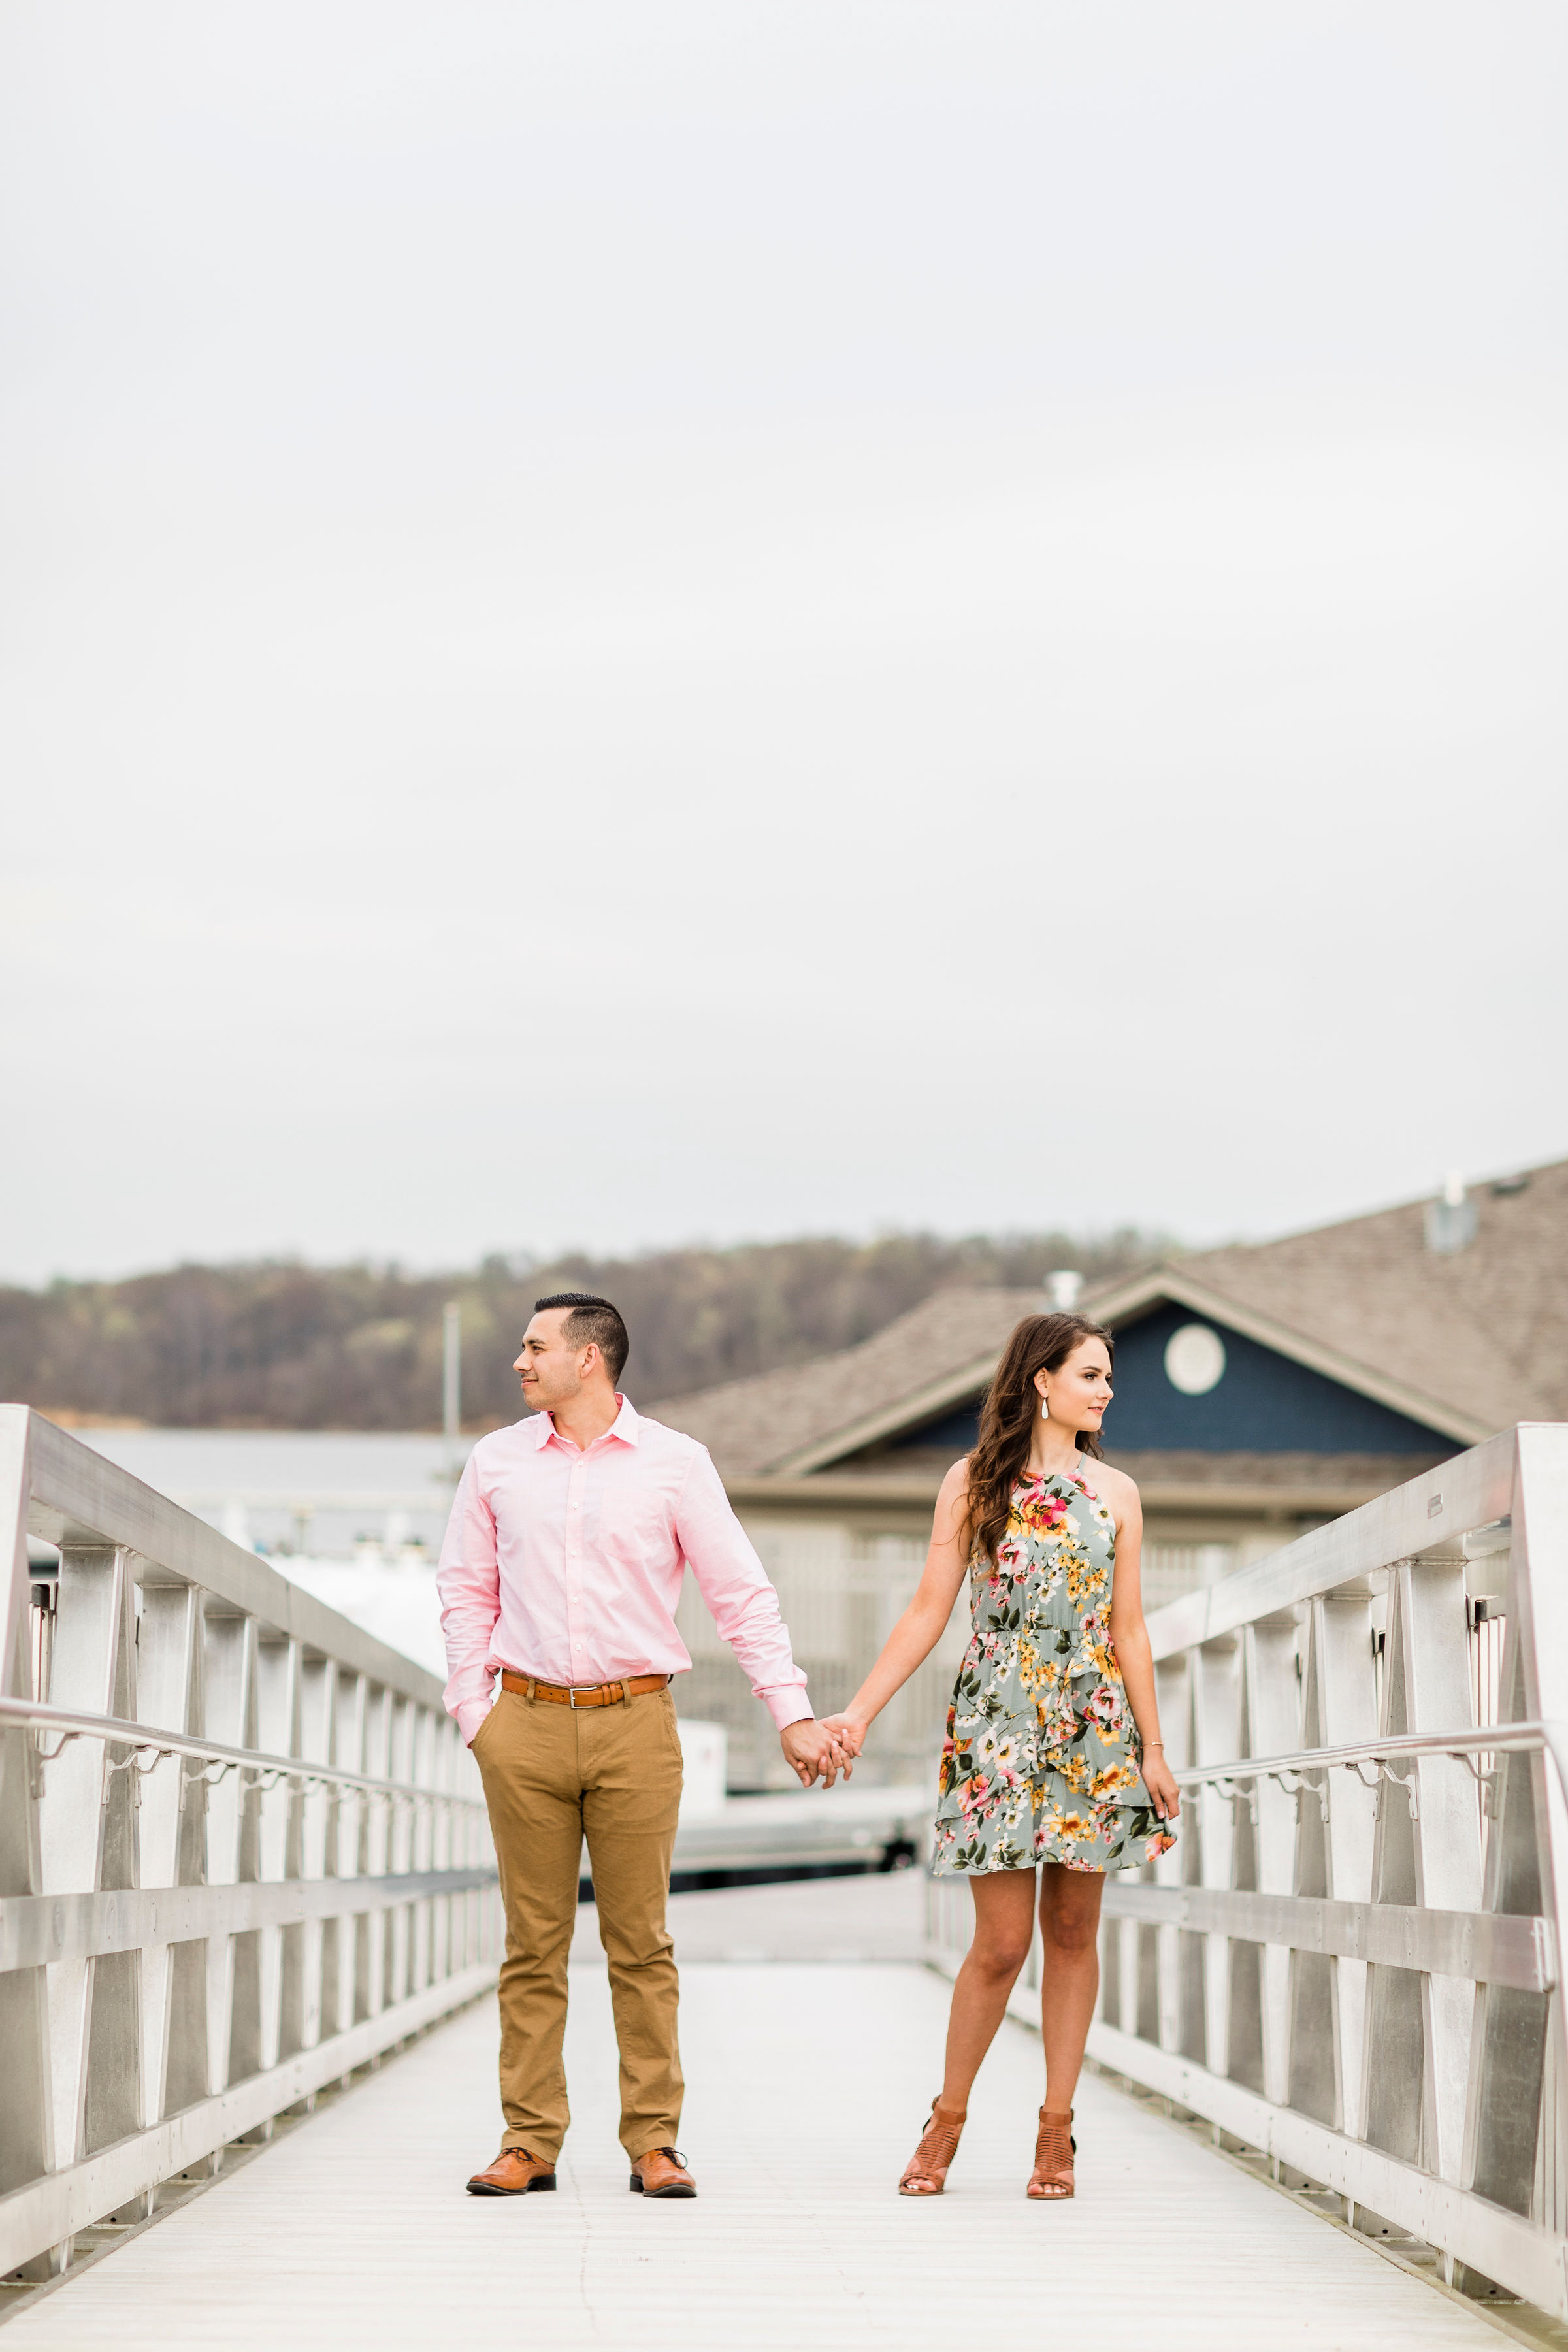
pixel 919 1630
pixel 1130 1640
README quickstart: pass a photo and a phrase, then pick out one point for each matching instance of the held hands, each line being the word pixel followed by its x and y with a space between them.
pixel 849 1734
pixel 816 1750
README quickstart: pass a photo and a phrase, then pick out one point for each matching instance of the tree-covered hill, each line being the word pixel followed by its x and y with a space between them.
pixel 285 1346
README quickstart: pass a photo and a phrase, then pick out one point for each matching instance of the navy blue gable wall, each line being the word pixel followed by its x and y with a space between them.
pixel 1263 1403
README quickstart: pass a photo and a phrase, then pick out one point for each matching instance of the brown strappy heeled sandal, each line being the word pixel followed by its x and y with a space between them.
pixel 925 2175
pixel 1055 2148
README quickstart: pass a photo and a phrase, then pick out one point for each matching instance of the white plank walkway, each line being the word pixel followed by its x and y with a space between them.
pixel 807 2085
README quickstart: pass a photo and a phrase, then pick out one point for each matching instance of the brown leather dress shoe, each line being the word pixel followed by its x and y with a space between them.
pixel 662 2173
pixel 513 2174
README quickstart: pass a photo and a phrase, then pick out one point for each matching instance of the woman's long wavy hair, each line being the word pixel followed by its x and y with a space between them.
pixel 1041 1343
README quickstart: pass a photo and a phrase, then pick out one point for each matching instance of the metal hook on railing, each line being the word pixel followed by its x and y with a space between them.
pixel 1406 1780
pixel 1318 1788
pixel 130 1761
pixel 1298 1785
pixel 205 1773
pixel 1240 1792
pixel 1488 1783
pixel 47 1754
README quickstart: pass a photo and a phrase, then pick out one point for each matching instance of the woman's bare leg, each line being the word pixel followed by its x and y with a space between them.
pixel 1004 1929
pixel 1069 1974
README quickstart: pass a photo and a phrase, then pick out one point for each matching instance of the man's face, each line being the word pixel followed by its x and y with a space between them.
pixel 550 1370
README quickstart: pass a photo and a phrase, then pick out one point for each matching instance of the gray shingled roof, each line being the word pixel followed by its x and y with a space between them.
pixel 1482 1334
pixel 752 1426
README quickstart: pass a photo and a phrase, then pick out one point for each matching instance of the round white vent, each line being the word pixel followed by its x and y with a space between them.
pixel 1195 1360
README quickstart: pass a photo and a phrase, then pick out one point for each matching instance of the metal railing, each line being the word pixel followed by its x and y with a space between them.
pixel 243 1849
pixel 1351 1959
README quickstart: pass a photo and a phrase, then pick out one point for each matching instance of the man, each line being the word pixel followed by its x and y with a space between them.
pixel 563 1564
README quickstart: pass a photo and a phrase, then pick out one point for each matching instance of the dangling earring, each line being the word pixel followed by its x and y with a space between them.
pixel 1045 1407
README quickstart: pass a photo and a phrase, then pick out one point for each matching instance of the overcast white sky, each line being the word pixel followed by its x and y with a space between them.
pixel 627 622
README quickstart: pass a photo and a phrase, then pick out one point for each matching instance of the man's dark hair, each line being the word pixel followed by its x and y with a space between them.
pixel 591 1318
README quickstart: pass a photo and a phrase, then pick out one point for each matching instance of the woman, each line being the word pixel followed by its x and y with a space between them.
pixel 1052 1716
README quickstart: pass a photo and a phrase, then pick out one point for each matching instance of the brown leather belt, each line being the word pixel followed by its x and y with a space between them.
pixel 583 1693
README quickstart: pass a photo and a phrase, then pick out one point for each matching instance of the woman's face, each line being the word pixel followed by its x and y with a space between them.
pixel 1078 1390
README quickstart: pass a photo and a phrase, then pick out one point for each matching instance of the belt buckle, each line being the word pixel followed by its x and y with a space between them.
pixel 572 1689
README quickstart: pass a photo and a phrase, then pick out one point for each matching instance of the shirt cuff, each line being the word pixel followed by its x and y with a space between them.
pixel 470 1714
pixel 787 1706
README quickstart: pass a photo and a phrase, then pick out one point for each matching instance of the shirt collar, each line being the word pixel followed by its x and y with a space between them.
pixel 625 1426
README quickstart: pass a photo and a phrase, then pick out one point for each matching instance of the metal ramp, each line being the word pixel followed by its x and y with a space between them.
pixel 807 2090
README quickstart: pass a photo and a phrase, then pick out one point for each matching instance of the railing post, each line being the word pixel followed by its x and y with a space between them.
pixel 1541 1540
pixel 174 1839
pixel 1191 1946
pixel 26 2111
pixel 1347 1693
pixel 1447 1828
pixel 1260 1973
pixel 89 1843
pixel 401 1844
pixel 1333 1860
pixel 1516 2137
pixel 1427 1852
pixel 1394 2096
pixel 354 1844
pixel 1313 2078
pixel 282 1806
pixel 318 1857
pixel 1216 1716
pixel 375 1854
pixel 1173 1682
pixel 422 1746
pixel 234 2032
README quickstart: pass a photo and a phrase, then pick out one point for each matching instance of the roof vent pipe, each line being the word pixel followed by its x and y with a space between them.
pixel 1450 1219
pixel 1062 1289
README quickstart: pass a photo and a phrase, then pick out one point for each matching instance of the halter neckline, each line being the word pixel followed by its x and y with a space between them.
pixel 1044 1478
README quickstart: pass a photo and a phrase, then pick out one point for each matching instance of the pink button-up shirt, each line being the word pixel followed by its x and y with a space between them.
pixel 567 1565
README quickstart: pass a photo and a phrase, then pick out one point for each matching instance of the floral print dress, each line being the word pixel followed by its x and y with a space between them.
pixel 1042 1756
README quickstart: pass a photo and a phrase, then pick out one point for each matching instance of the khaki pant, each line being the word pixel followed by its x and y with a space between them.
pixel 554 1775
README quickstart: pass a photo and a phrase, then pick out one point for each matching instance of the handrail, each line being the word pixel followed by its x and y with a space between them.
pixel 123 1733
pixel 1492 1739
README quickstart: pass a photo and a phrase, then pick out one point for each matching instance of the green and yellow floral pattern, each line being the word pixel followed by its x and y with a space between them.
pixel 1042 1756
